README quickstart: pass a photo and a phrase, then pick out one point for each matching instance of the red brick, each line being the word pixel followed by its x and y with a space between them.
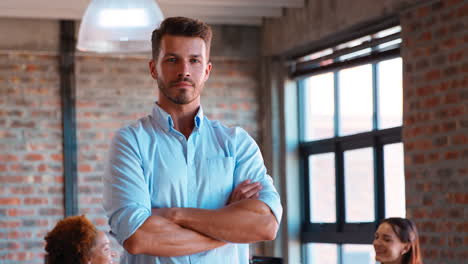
pixel 449 44
pixel 423 11
pixel 433 75
pixel 452 98
pixel 20 212
pixel 51 211
pixel 14 179
pixel 457 111
pixel 460 139
pixel 21 190
pixel 57 157
pixel 449 126
pixel 10 224
pixel 8 157
pixel 431 102
pixel 23 124
pixel 10 201
pixel 451 155
pixel 35 201
pixel 452 2
pixel 42 167
pixel 34 157
pixel 85 168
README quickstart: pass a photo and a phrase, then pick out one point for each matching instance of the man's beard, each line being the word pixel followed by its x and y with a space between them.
pixel 181 97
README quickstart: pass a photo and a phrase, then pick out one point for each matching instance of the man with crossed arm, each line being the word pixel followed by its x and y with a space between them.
pixel 180 188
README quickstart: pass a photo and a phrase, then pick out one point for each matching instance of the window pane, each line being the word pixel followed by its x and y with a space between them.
pixel 355 85
pixel 322 188
pixel 359 185
pixel 319 107
pixel 394 180
pixel 355 54
pixel 358 254
pixel 388 32
pixel 318 253
pixel 390 93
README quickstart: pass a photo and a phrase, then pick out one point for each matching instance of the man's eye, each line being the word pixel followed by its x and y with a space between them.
pixel 171 60
pixel 194 60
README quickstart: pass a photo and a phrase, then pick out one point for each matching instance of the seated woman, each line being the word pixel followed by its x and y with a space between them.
pixel 396 241
pixel 75 240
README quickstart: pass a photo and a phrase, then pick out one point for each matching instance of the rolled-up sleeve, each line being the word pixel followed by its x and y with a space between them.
pixel 126 198
pixel 250 166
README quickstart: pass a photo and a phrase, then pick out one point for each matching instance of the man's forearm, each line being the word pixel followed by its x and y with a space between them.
pixel 159 236
pixel 245 221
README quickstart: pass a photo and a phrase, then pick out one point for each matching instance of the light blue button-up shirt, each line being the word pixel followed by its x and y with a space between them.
pixel 152 165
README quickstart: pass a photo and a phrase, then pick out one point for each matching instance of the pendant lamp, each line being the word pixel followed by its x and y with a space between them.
pixel 119 26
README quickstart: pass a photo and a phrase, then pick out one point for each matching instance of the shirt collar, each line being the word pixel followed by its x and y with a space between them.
pixel 165 120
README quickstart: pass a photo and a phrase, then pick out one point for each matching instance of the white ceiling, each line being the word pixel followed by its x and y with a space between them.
pixel 239 12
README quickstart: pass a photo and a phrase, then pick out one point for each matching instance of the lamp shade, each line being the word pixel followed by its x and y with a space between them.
pixel 119 26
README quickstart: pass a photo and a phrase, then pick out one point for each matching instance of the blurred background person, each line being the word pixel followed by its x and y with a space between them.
pixel 396 241
pixel 75 240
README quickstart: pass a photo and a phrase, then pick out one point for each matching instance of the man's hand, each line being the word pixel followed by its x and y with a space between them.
pixel 167 213
pixel 245 190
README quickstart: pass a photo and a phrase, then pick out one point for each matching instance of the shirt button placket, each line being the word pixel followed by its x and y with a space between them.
pixel 191 174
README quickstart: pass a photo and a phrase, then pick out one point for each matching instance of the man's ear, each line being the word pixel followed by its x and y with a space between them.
pixel 152 68
pixel 208 70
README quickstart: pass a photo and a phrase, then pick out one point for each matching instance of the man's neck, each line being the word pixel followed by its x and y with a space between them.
pixel 182 115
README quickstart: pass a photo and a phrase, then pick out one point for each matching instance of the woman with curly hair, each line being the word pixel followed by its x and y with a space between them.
pixel 75 240
pixel 396 241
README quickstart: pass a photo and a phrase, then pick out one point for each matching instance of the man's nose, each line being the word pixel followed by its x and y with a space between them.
pixel 184 70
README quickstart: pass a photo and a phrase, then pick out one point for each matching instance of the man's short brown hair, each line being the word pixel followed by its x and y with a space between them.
pixel 70 241
pixel 181 26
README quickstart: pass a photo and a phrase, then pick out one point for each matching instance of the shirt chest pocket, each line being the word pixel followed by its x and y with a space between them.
pixel 215 181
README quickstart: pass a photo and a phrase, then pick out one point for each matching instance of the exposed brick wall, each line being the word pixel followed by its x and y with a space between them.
pixel 31 190
pixel 435 134
pixel 230 95
pixel 111 91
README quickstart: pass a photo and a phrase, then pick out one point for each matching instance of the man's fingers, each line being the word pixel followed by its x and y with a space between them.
pixel 246 189
pixel 253 191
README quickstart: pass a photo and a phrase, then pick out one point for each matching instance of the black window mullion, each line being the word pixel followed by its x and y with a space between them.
pixel 379 181
pixel 306 180
pixel 340 187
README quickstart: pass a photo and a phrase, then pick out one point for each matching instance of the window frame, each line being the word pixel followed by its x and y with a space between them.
pixel 341 232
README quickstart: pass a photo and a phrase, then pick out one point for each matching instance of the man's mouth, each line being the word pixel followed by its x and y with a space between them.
pixel 184 83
